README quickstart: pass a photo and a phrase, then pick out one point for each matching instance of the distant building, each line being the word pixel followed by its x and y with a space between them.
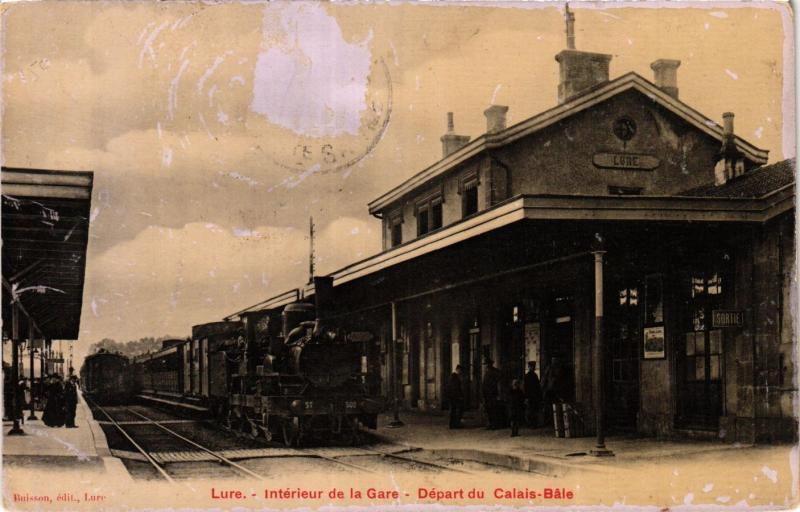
pixel 491 253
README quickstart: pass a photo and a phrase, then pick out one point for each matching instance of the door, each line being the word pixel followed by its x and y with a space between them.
pixel 623 337
pixel 558 369
pixel 700 361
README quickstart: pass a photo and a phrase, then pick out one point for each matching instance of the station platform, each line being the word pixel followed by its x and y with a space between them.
pixel 83 450
pixel 540 451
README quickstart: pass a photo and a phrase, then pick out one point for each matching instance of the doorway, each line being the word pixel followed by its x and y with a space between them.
pixel 623 335
pixel 700 353
pixel 471 365
pixel 558 368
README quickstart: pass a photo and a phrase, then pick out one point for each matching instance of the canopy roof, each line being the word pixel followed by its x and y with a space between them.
pixel 45 231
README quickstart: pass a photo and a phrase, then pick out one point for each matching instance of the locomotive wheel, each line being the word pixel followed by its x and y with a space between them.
pixel 291 434
pixel 353 432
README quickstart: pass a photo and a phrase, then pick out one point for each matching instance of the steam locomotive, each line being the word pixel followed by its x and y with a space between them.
pixel 284 375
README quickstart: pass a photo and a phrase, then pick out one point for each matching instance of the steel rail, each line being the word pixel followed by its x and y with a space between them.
pixel 141 450
pixel 221 458
pixel 334 459
pixel 416 461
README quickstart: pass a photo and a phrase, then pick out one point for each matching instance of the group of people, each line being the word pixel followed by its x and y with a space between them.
pixel 525 399
pixel 61 401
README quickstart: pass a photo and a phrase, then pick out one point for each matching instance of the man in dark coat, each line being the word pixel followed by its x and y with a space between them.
pixel 516 407
pixel 533 394
pixel 71 401
pixel 490 391
pixel 455 396
pixel 54 410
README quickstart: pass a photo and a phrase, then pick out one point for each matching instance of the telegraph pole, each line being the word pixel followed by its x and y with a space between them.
pixel 311 250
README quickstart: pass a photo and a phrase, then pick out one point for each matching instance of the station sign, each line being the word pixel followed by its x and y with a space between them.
pixel 631 161
pixel 727 318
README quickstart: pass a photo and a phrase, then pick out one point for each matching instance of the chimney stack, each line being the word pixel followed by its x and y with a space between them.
pixel 727 125
pixel 450 141
pixel 495 118
pixel 666 75
pixel 570 27
pixel 730 161
pixel 579 71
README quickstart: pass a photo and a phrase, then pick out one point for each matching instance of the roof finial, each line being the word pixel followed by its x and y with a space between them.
pixel 570 18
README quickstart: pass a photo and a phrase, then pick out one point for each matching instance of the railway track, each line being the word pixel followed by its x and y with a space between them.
pixel 155 440
pixel 150 456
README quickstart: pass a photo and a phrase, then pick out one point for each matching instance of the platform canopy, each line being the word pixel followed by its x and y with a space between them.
pixel 45 231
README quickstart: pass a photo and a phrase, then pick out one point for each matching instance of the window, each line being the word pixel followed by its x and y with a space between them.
pixel 469 199
pixel 395 223
pixel 429 215
pixel 397 233
pixel 436 216
pixel 422 221
pixel 468 188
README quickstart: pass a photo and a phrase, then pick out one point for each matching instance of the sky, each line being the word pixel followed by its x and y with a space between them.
pixel 215 130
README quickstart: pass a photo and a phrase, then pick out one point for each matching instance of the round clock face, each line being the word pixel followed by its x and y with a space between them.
pixel 624 128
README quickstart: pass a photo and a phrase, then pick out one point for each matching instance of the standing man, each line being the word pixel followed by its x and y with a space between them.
pixel 490 391
pixel 516 406
pixel 455 396
pixel 70 401
pixel 533 394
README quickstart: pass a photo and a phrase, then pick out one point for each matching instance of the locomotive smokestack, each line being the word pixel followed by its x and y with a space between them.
pixel 323 295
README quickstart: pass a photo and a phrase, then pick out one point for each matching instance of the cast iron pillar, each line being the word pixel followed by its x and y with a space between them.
pixel 41 372
pixel 396 422
pixel 598 363
pixel 31 335
pixel 15 405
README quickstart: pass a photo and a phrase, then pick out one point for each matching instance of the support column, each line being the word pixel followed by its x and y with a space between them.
pixel 41 372
pixel 396 422
pixel 31 336
pixel 598 363
pixel 15 405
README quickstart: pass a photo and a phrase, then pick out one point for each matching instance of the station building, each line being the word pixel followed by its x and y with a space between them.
pixel 620 230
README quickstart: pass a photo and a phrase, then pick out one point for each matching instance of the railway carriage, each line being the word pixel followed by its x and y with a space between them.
pixel 106 377
pixel 160 372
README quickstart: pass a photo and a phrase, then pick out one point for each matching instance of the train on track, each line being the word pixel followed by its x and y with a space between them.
pixel 106 377
pixel 280 374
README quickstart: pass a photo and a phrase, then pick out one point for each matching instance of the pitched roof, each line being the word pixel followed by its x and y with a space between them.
pixel 579 103
pixel 753 184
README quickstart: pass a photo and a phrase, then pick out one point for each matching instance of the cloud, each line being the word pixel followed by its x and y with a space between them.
pixel 138 289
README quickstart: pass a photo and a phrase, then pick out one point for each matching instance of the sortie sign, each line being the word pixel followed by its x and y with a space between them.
pixel 626 161
pixel 727 318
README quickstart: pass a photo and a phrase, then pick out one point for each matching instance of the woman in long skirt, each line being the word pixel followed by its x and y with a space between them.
pixel 54 410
